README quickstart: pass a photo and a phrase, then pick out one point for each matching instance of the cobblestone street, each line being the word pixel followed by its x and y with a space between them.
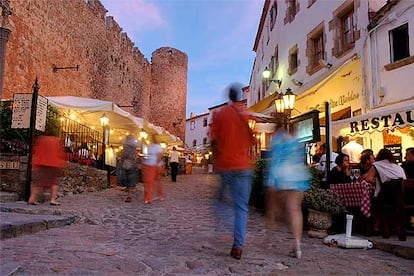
pixel 190 233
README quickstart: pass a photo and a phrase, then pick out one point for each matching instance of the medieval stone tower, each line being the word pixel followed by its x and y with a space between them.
pixel 102 62
pixel 169 89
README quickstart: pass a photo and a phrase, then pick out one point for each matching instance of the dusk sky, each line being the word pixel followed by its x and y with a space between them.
pixel 217 36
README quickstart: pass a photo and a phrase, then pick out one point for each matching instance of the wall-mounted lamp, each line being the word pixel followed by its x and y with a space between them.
pixel 297 83
pixel 289 99
pixel 279 104
pixel 325 64
pixel 284 105
pixel 163 145
pixel 55 68
pixel 266 75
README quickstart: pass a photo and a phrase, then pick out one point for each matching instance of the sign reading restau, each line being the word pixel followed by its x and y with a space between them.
pixel 398 119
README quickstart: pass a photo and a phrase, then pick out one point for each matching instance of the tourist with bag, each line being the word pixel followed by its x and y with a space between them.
pixel 151 167
pixel 129 165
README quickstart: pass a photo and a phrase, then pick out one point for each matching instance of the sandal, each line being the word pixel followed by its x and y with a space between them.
pixel 295 253
pixel 128 199
pixel 55 203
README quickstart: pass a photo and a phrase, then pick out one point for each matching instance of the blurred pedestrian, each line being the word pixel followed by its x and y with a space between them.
pixel 174 158
pixel 129 164
pixel 152 172
pixel 289 177
pixel 48 161
pixel 233 138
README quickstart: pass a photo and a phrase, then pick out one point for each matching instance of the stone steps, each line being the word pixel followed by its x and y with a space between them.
pixel 18 218
pixel 8 197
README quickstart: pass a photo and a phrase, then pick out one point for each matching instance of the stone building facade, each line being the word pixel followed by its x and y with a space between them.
pixel 103 62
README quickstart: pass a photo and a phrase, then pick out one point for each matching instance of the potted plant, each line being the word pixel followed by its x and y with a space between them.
pixel 321 204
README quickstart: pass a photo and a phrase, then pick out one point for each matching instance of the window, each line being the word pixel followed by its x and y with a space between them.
pixel 344 28
pixel 399 43
pixel 315 48
pixel 347 27
pixel 293 60
pixel 291 11
pixel 292 7
pixel 204 122
pixel 274 63
pixel 192 125
pixel 194 143
pixel 265 86
pixel 273 15
pixel 204 140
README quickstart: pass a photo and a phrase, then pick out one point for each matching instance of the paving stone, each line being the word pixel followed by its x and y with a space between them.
pixel 188 234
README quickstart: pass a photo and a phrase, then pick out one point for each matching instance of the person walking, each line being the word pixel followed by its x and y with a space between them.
pixel 48 161
pixel 174 155
pixel 151 167
pixel 129 164
pixel 289 178
pixel 233 139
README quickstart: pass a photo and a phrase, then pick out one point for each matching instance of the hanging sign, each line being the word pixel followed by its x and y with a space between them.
pixel 386 121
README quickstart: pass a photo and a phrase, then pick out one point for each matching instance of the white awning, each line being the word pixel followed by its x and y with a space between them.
pixel 386 117
pixel 89 111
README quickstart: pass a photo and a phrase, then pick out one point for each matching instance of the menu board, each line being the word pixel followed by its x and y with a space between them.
pixel 303 130
pixel 41 113
pixel 22 104
pixel 396 151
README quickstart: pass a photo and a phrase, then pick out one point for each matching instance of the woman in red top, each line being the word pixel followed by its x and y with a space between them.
pixel 48 161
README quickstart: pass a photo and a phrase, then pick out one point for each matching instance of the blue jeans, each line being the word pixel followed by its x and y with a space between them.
pixel 240 183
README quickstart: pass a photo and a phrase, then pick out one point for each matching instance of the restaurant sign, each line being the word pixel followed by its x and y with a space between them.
pixel 380 122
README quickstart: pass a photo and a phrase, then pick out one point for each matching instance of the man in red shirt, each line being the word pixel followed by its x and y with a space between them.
pixel 233 139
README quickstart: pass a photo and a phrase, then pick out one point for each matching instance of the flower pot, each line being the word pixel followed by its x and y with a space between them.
pixel 319 223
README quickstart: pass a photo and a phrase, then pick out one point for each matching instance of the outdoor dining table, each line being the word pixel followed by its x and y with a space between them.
pixel 356 194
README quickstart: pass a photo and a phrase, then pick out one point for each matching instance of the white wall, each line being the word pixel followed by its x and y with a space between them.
pixel 396 84
pixel 286 36
pixel 196 130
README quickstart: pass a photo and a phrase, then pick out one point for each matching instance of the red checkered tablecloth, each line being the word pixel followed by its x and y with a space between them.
pixel 355 195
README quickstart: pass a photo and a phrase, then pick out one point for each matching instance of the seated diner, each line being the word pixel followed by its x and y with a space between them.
pixel 341 173
pixel 386 169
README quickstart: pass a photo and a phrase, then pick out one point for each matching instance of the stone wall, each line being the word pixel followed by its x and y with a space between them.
pixel 64 33
pixel 81 178
pixel 169 89
pixel 13 174
pixel 76 178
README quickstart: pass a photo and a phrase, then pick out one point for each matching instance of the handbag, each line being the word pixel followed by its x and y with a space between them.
pixel 127 164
